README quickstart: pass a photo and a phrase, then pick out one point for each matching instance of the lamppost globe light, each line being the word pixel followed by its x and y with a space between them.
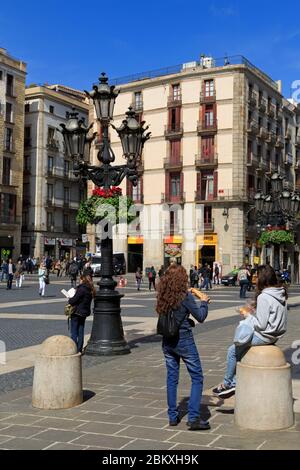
pixel 74 133
pixel 104 97
pixel 259 201
pixel 276 182
pixel 285 201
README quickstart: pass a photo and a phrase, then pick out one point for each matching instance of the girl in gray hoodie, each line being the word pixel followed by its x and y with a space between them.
pixel 269 322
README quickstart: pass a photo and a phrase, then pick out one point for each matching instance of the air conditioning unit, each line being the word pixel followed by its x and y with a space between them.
pixel 207 62
pixel 189 65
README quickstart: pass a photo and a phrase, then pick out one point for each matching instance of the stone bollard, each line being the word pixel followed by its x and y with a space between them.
pixel 263 396
pixel 57 381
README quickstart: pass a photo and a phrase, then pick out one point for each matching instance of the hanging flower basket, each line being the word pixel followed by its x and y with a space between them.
pixel 277 237
pixel 114 208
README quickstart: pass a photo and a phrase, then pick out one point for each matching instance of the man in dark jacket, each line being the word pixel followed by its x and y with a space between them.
pixel 82 302
pixel 73 272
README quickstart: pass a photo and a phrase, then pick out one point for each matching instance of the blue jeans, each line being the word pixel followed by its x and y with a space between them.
pixel 186 350
pixel 205 284
pixel 77 331
pixel 243 288
pixel 235 354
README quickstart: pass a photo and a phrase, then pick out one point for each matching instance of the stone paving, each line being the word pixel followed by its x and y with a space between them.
pixel 125 405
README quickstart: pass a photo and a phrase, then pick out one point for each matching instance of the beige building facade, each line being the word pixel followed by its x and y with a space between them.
pixel 219 129
pixel 51 193
pixel 12 91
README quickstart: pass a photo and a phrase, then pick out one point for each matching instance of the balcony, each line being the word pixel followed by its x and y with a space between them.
pixel 173 199
pixel 171 229
pixel 66 228
pixel 174 131
pixel 279 114
pixel 271 138
pixel 209 226
pixel 263 165
pixel 27 142
pixel 206 161
pixel 263 133
pixel 53 145
pixel 279 142
pixel 288 159
pixel 273 167
pixel 171 163
pixel 262 105
pixel 252 159
pixel 297 142
pixel 137 198
pixel 49 203
pixel 200 196
pixel 252 98
pixel 271 110
pixel 174 100
pixel 50 172
pixel 288 133
pixel 9 219
pixel 207 98
pixel 207 126
pixel 66 204
pixel 253 128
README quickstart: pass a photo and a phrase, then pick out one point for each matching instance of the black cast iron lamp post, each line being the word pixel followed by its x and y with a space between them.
pixel 107 337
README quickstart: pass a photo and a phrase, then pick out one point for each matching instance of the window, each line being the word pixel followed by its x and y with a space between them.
pixel 51 109
pixel 6 171
pixel 209 116
pixel 50 221
pixel 9 85
pixel 209 88
pixel 27 108
pixel 175 151
pixel 138 101
pixel 66 195
pixel 27 136
pixel 26 191
pixel 66 168
pixel 50 192
pixel 250 90
pixel 207 214
pixel 25 220
pixel 176 92
pixel 207 185
pixel 50 165
pixel 174 118
pixel 207 148
pixel 175 184
pixel 26 163
pixel 66 223
pixel 8 139
pixel 7 208
pixel 51 134
pixel 8 112
pixel 259 152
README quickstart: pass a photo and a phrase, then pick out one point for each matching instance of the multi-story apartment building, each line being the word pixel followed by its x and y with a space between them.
pixel 51 193
pixel 219 129
pixel 12 90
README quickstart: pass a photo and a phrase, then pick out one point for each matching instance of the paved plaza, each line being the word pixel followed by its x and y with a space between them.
pixel 125 397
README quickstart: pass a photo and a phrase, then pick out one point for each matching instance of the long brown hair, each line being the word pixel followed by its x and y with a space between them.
pixel 172 289
pixel 266 277
pixel 87 280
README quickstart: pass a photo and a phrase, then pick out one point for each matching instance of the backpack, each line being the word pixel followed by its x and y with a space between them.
pixel 196 277
pixel 167 325
pixel 73 270
pixel 150 275
pixel 243 276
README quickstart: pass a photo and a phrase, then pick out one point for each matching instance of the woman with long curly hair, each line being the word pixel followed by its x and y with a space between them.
pixel 173 295
pixel 269 318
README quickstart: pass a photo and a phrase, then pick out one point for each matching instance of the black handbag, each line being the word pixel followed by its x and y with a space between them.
pixel 167 325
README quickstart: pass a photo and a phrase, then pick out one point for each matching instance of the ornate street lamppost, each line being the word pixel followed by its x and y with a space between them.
pixel 276 209
pixel 107 337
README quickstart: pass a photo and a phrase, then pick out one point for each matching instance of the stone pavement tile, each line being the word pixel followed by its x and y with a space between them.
pixel 285 443
pixel 72 413
pixel 21 431
pixel 55 435
pixel 146 394
pixel 108 442
pixel 96 406
pixel 235 431
pixel 203 438
pixel 102 417
pixel 125 401
pixel 4 439
pixel 148 433
pixel 22 419
pixel 26 444
pixel 101 428
pixel 141 444
pixel 239 443
pixel 4 414
pixel 191 447
pixel 66 446
pixel 13 407
pixel 135 411
pixel 59 423
pixel 155 423
pixel 4 426
pixel 226 418
pixel 159 404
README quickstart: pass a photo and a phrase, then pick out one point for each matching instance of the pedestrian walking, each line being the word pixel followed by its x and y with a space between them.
pixel 138 278
pixel 161 271
pixel 42 273
pixel 268 318
pixel 82 302
pixel 205 272
pixel 173 295
pixel 19 274
pixel 88 270
pixel 58 267
pixel 49 264
pixel 4 271
pixel 73 272
pixel 194 277
pixel 216 274
pixel 151 278
pixel 243 279
pixel 11 269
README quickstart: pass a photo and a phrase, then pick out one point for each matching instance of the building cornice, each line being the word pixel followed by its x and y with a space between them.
pixel 44 92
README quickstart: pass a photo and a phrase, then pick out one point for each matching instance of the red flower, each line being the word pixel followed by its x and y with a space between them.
pixel 113 191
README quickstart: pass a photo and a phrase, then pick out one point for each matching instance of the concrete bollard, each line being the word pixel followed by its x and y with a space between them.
pixel 57 381
pixel 263 396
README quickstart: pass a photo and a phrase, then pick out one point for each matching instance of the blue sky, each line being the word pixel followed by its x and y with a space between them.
pixel 71 42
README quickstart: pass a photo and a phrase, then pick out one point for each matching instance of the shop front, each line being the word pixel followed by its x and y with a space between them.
pixel 49 246
pixel 172 250
pixel 135 253
pixel 207 249
pixel 65 248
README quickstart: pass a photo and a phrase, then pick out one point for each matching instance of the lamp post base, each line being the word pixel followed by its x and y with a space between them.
pixel 107 337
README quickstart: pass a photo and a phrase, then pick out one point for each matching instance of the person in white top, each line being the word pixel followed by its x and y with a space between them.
pixel 42 275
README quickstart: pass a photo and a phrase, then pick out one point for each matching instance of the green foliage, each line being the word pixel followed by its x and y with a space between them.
pixel 113 209
pixel 276 237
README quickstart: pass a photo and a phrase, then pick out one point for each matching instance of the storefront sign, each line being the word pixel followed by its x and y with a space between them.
pixel 173 250
pixel 256 260
pixel 207 239
pixel 135 240
pixel 84 238
pixel 49 241
pixel 173 239
pixel 66 241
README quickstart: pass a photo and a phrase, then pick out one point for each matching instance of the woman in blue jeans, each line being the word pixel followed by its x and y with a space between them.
pixel 269 321
pixel 173 295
